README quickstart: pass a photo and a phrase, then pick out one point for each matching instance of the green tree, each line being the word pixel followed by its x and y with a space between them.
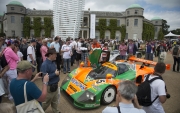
pixel 112 27
pixel 102 28
pixel 26 27
pixel 165 27
pixel 37 26
pixel 47 26
pixel 123 32
pixel 160 34
pixel 177 31
pixel 148 31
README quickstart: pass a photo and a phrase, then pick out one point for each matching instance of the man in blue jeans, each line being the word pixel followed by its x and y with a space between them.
pixel 67 53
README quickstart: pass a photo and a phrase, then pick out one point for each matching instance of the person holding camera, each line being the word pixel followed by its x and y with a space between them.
pixel 158 89
pixel 49 66
pixel 24 69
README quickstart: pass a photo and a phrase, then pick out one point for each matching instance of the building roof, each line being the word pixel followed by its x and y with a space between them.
pixel 135 6
pixel 16 3
pixel 156 18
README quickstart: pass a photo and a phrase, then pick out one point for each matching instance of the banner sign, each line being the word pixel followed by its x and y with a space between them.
pixel 92 26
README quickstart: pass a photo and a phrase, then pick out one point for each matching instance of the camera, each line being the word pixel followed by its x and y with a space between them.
pixel 42 74
pixel 168 96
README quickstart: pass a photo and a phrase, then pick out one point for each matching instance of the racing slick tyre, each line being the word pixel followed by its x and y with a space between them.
pixel 108 95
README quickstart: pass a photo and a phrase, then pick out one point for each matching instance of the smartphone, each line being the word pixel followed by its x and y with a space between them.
pixel 42 74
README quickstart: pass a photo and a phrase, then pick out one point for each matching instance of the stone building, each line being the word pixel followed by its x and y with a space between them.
pixel 132 18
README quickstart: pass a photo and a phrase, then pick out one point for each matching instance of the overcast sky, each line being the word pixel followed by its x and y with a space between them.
pixel 165 9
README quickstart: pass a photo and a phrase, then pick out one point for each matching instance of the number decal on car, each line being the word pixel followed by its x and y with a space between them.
pixel 100 81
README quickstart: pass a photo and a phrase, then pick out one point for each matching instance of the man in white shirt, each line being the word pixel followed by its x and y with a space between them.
pixel 67 53
pixel 78 51
pixel 56 45
pixel 157 89
pixel 125 95
pixel 73 45
pixel 31 56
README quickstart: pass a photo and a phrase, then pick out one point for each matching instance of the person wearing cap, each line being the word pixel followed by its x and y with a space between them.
pixel 23 48
pixel 11 58
pixel 67 53
pixel 31 56
pixel 56 45
pixel 24 69
pixel 49 66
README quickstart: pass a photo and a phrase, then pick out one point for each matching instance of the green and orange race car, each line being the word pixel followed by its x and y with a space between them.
pixel 89 87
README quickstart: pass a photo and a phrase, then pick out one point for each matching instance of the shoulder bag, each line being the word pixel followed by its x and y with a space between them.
pixel 32 106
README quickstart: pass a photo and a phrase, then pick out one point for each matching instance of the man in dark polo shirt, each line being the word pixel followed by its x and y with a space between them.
pixel 49 66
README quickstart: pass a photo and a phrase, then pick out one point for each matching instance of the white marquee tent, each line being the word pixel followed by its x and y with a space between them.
pixel 171 34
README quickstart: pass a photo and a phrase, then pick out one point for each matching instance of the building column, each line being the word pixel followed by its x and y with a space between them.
pixel 82 34
pixel 87 33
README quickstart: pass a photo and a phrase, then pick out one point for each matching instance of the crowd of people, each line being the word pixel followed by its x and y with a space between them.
pixel 52 57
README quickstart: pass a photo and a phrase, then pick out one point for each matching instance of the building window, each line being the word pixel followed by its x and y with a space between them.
pixel 12 8
pixel 127 12
pixel 42 22
pixel 107 22
pixel 135 22
pixel 12 19
pixel 127 22
pixel 136 12
pixel 21 9
pixel 156 29
pixel 13 33
pixel 107 37
pixel 97 22
pixel 22 33
pixel 156 22
pixel 22 19
pixel 31 22
pixel 118 23
pixel 126 35
pixel 96 37
pixel 117 37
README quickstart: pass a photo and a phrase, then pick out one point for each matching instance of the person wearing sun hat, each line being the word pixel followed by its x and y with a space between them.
pixel 49 66
pixel 24 69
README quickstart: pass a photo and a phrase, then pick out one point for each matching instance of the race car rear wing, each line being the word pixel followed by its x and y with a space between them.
pixel 133 58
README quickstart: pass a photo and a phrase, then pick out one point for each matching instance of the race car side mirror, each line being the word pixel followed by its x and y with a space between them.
pixel 109 76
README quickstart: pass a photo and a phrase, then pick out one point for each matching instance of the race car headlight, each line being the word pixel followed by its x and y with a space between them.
pixel 87 97
pixel 65 80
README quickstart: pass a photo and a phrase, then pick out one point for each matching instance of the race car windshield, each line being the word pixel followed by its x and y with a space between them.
pixel 101 72
pixel 131 66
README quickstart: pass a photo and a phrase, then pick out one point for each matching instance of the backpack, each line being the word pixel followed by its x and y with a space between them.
pixel 175 50
pixel 3 61
pixel 144 92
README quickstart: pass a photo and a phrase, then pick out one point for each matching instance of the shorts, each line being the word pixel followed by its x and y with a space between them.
pixel 78 57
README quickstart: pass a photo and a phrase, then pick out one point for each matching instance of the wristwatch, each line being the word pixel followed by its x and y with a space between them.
pixel 46 83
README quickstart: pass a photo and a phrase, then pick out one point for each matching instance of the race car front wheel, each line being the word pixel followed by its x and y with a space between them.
pixel 108 95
